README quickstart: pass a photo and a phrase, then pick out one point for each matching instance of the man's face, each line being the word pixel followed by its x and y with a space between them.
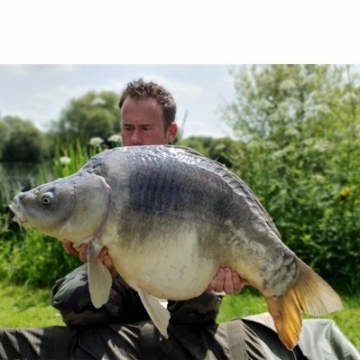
pixel 142 123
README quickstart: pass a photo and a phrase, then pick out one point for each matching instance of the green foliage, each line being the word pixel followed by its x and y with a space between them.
pixel 20 140
pixel 315 207
pixel 92 115
pixel 9 186
pixel 23 306
pixel 273 99
pixel 33 258
pixel 248 302
pixel 299 125
pixel 223 150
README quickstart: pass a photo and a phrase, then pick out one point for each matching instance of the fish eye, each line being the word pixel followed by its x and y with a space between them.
pixel 46 198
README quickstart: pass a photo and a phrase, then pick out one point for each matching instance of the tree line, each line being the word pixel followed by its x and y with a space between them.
pixel 93 115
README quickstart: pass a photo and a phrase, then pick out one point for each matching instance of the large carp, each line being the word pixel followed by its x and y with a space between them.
pixel 170 219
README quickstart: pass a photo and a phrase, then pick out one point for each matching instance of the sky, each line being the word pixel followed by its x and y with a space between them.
pixel 40 92
pixel 188 46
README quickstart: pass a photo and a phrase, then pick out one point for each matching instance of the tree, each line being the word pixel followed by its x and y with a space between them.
pixel 20 140
pixel 92 115
pixel 274 99
pixel 300 126
pixel 224 150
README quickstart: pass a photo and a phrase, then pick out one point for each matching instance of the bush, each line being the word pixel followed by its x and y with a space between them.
pixel 314 204
pixel 28 256
pixel 33 258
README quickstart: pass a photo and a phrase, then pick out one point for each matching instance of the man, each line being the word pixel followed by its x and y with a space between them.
pixel 147 117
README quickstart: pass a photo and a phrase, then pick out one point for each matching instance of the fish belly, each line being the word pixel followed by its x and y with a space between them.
pixel 166 266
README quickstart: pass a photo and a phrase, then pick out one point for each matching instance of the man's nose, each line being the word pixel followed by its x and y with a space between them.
pixel 136 138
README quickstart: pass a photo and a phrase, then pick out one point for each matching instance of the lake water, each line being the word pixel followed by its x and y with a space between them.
pixel 10 169
pixel 15 177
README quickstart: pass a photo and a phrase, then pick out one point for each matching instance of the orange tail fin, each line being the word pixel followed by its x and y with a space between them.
pixel 310 294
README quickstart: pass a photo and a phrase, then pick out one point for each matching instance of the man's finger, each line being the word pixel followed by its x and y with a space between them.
pixel 69 248
pixel 228 285
pixel 219 285
pixel 83 252
pixel 237 282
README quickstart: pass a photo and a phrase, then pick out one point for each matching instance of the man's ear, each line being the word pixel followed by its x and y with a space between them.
pixel 172 131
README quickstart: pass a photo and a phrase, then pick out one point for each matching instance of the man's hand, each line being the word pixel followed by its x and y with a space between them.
pixel 226 281
pixel 69 248
pixel 82 253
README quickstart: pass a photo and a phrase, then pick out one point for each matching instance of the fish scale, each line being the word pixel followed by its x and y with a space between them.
pixel 148 188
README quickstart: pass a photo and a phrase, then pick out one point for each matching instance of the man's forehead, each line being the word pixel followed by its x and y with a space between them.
pixel 145 112
pixel 138 122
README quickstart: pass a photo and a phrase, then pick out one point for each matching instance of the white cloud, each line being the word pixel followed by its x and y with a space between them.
pixel 176 87
pixel 41 107
pixel 113 85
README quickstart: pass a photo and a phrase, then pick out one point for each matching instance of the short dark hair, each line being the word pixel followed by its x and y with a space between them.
pixel 139 89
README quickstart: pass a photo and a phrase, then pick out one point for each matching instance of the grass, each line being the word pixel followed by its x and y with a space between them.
pixel 25 306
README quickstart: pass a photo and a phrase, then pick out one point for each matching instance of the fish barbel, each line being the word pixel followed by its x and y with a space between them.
pixel 170 218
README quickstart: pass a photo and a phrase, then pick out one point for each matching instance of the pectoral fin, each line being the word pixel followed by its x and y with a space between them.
pixel 158 314
pixel 99 277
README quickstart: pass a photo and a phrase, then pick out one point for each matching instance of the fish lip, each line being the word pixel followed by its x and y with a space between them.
pixel 18 215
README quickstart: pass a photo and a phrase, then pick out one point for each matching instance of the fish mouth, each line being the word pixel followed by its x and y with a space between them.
pixel 19 216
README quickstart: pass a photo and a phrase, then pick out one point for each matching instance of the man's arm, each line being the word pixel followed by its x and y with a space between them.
pixel 70 295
